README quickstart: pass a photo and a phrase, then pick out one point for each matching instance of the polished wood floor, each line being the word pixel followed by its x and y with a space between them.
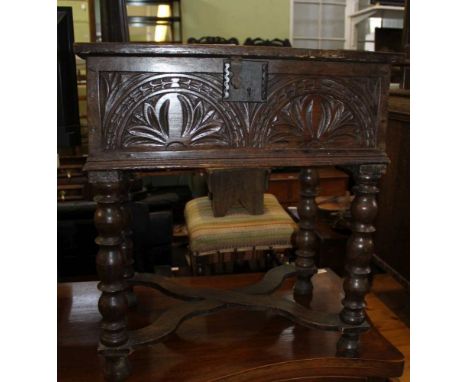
pixel 388 308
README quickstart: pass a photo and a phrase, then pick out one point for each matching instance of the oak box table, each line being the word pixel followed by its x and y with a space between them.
pixel 153 107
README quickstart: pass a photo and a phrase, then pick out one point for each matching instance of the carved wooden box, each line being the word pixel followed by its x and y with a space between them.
pixel 155 106
pixel 199 106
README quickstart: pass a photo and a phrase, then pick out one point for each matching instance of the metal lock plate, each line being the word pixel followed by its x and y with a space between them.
pixel 245 80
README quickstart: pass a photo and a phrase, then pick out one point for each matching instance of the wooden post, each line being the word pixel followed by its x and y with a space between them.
pixel 110 223
pixel 360 246
pixel 306 239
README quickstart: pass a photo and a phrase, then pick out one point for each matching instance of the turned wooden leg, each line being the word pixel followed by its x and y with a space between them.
pixel 360 246
pixel 306 239
pixel 109 220
pixel 127 243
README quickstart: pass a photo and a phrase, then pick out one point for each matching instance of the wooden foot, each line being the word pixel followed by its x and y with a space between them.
pixel 116 366
pixel 306 239
pixel 348 345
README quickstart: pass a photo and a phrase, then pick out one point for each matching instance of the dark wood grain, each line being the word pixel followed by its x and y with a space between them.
pixel 271 281
pixel 151 49
pixel 292 117
pixel 229 299
pixel 162 107
pixel 228 187
pixel 392 238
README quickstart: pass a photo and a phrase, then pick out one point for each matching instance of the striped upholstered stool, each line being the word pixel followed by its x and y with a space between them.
pixel 237 231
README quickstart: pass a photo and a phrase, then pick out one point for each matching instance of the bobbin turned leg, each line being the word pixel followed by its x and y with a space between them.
pixel 127 243
pixel 359 249
pixel 306 239
pixel 109 220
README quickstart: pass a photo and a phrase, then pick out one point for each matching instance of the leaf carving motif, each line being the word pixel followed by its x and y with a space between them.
pixel 166 111
pixel 318 113
pixel 173 120
pixel 311 120
pixel 180 111
pixel 151 127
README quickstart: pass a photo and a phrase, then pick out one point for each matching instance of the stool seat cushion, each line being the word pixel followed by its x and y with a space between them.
pixel 238 230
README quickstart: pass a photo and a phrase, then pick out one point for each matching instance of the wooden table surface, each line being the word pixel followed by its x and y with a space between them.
pixel 231 345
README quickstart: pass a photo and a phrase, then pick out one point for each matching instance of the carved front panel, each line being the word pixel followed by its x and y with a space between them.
pixel 157 112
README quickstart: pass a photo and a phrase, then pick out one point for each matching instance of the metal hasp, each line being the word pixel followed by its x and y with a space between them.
pixel 245 80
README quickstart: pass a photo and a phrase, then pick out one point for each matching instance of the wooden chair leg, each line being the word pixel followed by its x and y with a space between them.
pixel 111 262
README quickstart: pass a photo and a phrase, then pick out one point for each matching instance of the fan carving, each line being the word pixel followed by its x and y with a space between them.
pixel 311 120
pixel 171 120
pixel 186 111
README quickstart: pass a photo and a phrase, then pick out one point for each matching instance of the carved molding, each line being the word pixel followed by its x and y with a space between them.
pixel 319 112
pixel 185 111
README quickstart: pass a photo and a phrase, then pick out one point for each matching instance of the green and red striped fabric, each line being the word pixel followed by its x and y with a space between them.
pixel 238 229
